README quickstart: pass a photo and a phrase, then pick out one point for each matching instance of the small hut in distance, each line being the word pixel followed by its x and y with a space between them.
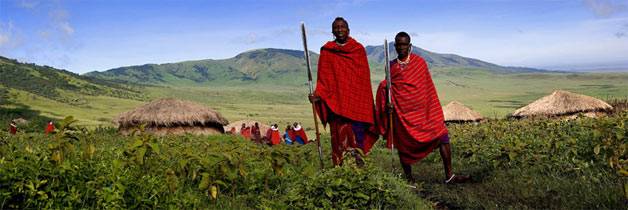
pixel 456 112
pixel 562 103
pixel 172 116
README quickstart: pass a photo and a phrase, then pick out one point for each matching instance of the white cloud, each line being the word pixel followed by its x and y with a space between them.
pixel 44 34
pixel 604 8
pixel 252 38
pixel 622 31
pixel 27 4
pixel 65 27
pixel 7 35
pixel 59 14
pixel 4 38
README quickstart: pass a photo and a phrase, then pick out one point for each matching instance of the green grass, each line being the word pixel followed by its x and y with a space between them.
pixel 542 164
pixel 494 95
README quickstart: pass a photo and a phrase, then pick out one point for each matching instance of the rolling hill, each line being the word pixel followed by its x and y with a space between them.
pixel 376 54
pixel 272 66
pixel 262 66
pixel 57 85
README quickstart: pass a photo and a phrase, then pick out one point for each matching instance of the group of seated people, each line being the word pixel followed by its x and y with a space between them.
pixel 293 134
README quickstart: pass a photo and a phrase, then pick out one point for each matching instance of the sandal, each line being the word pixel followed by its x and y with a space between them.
pixel 457 179
pixel 411 182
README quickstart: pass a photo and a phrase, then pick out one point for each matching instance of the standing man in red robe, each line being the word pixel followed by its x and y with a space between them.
pixel 49 127
pixel 13 129
pixel 418 120
pixel 343 95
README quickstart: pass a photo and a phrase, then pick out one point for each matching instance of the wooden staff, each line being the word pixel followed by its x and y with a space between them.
pixel 309 76
pixel 389 101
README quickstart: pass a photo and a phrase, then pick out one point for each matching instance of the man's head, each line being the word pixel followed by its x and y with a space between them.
pixel 276 126
pixel 340 29
pixel 243 125
pixel 295 124
pixel 288 127
pixel 402 44
pixel 256 125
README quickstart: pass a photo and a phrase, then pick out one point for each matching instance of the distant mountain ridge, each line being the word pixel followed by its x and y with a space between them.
pixel 255 66
pixel 270 65
pixel 376 54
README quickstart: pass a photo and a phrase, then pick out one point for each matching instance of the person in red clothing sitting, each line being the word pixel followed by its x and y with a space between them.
pixel 13 129
pixel 256 134
pixel 272 135
pixel 49 128
pixel 288 136
pixel 245 131
pixel 299 134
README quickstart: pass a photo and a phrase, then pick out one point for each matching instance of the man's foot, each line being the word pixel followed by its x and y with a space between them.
pixel 411 183
pixel 410 179
pixel 454 179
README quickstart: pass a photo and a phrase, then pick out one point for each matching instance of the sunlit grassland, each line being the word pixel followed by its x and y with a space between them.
pixel 497 95
pixel 92 110
pixel 494 95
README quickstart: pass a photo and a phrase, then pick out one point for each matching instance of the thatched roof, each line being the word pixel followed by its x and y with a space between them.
pixel 561 102
pixel 456 111
pixel 249 123
pixel 168 112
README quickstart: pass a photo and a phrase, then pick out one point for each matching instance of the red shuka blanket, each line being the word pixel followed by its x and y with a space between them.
pixel 50 128
pixel 13 129
pixel 273 136
pixel 290 134
pixel 299 133
pixel 344 82
pixel 416 103
pixel 246 132
pixel 256 135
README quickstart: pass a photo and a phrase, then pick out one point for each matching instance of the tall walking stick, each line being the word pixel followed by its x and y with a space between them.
pixel 309 76
pixel 389 100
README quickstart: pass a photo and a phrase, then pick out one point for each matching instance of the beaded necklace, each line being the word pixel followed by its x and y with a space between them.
pixel 405 63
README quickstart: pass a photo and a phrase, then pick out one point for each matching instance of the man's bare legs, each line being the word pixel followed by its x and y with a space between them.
pixel 445 154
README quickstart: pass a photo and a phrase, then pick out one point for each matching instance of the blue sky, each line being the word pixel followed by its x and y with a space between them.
pixel 82 36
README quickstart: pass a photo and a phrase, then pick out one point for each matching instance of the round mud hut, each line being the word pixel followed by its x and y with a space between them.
pixel 168 116
pixel 249 123
pixel 455 112
pixel 563 104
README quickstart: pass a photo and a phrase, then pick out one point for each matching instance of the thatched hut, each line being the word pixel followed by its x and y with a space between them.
pixel 561 103
pixel 459 113
pixel 249 123
pixel 172 116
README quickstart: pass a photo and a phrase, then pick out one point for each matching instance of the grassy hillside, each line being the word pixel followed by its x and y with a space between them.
pixel 40 93
pixel 492 95
pixel 262 66
pixel 272 66
pixel 59 85
pixel 377 54
pixel 283 99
